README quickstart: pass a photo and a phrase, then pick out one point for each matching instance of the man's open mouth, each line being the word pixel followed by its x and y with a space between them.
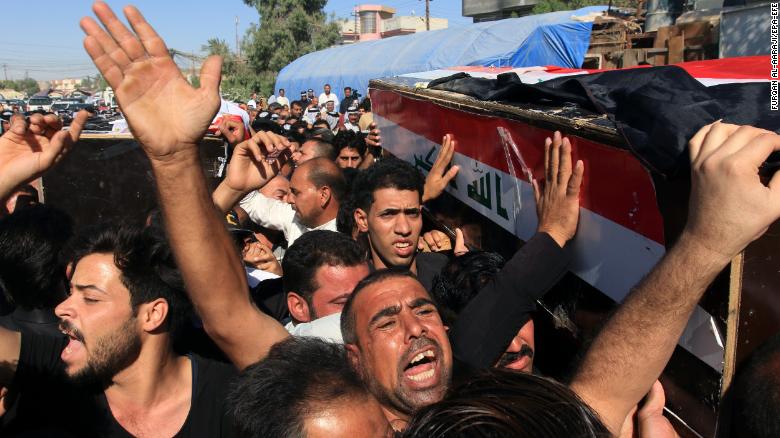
pixel 422 368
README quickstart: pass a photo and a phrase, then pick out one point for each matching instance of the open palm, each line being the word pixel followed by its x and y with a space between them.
pixel 164 112
pixel 28 150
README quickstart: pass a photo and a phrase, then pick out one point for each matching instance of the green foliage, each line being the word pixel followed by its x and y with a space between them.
pixel 287 29
pixel 545 6
pixel 28 85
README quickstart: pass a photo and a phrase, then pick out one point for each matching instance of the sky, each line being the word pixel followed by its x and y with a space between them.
pixel 47 45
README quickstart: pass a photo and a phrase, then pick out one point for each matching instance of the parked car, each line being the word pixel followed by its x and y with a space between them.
pixel 39 103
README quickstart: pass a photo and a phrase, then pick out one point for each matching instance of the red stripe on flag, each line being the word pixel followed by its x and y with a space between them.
pixel 615 186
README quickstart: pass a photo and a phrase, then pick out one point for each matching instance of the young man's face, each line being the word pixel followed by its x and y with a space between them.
pixel 393 224
pixel 327 89
pixel 281 92
pixel 349 157
pixel 402 349
pixel 334 285
pixel 347 92
pixel 103 331
pixel 296 111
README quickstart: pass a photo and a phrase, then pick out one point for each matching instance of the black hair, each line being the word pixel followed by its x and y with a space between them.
pixel 313 250
pixel 349 139
pixel 32 273
pixel 299 377
pixel 148 268
pixel 296 102
pixel 389 173
pixel 347 313
pixel 347 88
pixel 266 124
pixel 751 405
pixel 345 218
pixel 461 279
pixel 365 104
pixel 499 403
pixel 321 123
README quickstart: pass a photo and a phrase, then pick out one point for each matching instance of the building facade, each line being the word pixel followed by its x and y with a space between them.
pixel 373 22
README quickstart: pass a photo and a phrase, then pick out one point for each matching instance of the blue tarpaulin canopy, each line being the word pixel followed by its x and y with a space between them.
pixel 545 39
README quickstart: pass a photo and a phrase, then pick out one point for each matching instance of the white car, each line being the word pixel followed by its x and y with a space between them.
pixel 39 103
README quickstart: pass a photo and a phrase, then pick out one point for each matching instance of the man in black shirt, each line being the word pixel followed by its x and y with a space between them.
pixel 115 372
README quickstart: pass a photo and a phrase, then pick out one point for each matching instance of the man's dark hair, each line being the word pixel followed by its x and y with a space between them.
pixel 391 173
pixel 345 218
pixel 310 252
pixel 461 279
pixel 347 88
pixel 146 262
pixel 299 377
pixel 349 139
pixel 751 406
pixel 365 104
pixel 348 314
pixel 326 85
pixel 323 148
pixel 32 273
pixel 500 403
pixel 296 102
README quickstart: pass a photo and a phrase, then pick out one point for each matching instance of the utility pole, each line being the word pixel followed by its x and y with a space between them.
pixel 356 38
pixel 5 71
pixel 238 45
pixel 427 14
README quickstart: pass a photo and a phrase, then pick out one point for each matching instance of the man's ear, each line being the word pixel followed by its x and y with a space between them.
pixel 353 356
pixel 153 314
pixel 361 219
pixel 325 196
pixel 298 307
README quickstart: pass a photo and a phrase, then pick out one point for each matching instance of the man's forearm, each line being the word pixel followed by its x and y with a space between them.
pixel 645 329
pixel 207 257
pixel 225 198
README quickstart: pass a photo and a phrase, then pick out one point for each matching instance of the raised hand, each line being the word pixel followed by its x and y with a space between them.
pixel 165 113
pixel 256 161
pixel 558 202
pixel 262 257
pixel 439 176
pixel 729 207
pixel 232 130
pixel 28 150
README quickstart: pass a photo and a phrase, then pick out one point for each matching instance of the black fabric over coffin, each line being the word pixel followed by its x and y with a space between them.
pixel 655 109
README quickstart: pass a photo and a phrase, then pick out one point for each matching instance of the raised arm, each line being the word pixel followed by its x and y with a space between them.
pixel 478 336
pixel 729 207
pixel 169 118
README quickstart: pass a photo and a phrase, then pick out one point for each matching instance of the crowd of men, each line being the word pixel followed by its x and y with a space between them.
pixel 294 300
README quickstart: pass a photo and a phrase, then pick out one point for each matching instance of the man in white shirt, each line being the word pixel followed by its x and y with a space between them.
pixel 281 100
pixel 316 188
pixel 252 102
pixel 327 95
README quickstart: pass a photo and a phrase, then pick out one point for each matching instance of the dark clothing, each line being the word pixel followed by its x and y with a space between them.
pixel 42 321
pixel 487 324
pixel 346 103
pixel 52 406
pixel 656 110
pixel 429 265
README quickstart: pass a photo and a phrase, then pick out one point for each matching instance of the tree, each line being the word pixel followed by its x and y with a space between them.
pixel 288 30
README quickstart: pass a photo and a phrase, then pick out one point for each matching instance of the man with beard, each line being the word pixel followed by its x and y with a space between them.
pixel 115 372
pixel 330 115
